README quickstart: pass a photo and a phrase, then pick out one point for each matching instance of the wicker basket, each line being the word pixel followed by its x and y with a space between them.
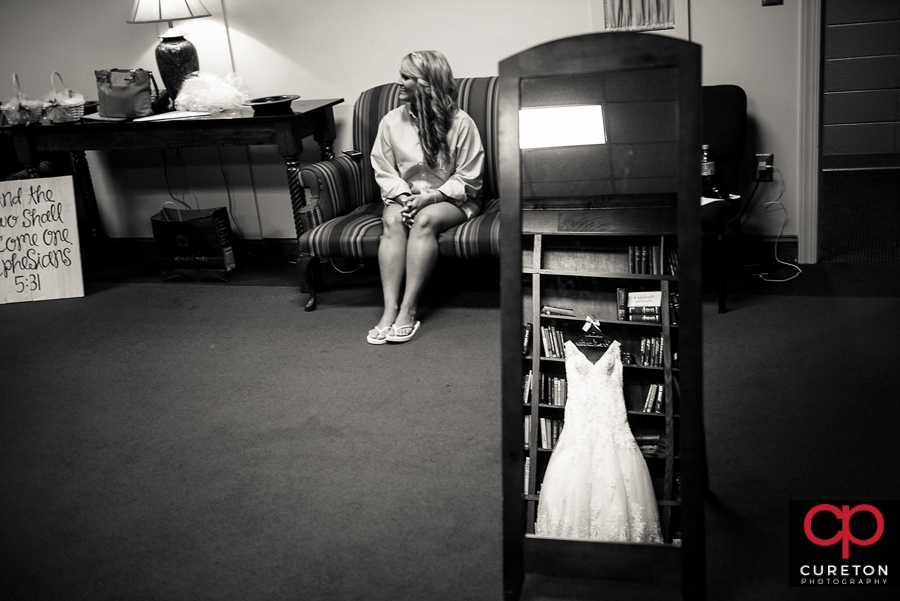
pixel 20 110
pixel 62 106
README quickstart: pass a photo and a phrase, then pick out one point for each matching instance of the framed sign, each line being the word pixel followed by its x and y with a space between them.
pixel 40 255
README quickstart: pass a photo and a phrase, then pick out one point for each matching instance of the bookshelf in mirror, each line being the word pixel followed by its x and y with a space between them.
pixel 593 288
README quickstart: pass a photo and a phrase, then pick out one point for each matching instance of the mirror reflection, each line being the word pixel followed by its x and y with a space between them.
pixel 600 304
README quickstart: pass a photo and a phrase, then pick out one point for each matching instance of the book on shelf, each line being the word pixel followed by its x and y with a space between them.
pixel 548 391
pixel 647 298
pixel 527 421
pixel 526 386
pixel 644 306
pixel 650 399
pixel 642 317
pixel 526 337
pixel 652 450
pixel 653 402
pixel 645 259
pixel 550 430
pixel 643 310
pixel 672 260
pixel 638 306
pixel 622 304
pixel 553 390
pixel 652 351
pixel 527 473
pixel 673 308
pixel 551 310
pixel 553 342
pixel 545 343
pixel 652 445
pixel 660 394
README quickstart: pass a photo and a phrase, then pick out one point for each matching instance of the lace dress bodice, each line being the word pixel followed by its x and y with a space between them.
pixel 595 408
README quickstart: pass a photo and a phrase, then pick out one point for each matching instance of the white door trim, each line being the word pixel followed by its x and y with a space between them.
pixel 810 94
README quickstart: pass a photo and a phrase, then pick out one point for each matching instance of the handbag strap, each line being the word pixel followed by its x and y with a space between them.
pixel 152 79
pixel 177 210
pixel 156 87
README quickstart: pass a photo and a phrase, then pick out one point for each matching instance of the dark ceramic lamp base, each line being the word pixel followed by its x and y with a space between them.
pixel 176 59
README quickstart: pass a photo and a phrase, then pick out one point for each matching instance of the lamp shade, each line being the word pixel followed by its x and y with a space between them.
pixel 158 11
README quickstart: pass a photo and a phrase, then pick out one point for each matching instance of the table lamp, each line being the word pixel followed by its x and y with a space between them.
pixel 176 57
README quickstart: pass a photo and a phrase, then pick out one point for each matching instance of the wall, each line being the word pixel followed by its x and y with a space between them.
pixel 758 48
pixel 339 48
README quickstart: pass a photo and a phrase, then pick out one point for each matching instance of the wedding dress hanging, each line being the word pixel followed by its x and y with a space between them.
pixel 597 485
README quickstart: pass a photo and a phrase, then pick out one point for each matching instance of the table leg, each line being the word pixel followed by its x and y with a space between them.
pixel 325 137
pixel 327 149
pixel 85 186
pixel 306 271
pixel 295 187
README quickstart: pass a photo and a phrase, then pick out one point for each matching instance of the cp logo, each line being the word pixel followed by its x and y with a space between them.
pixel 844 535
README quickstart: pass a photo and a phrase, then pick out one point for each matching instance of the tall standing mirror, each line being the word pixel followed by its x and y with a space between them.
pixel 604 472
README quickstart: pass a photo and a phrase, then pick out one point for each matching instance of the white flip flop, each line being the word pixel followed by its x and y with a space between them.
pixel 372 340
pixel 396 338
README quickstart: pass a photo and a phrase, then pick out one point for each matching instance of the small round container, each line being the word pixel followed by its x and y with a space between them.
pixel 272 105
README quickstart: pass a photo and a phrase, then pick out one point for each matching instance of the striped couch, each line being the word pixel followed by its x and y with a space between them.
pixel 342 215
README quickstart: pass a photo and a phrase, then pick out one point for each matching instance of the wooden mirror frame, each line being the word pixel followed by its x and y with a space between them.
pixel 665 564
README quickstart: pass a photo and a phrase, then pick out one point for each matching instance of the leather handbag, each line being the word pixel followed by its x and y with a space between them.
pixel 125 93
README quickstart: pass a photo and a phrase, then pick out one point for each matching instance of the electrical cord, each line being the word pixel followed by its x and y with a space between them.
pixel 237 224
pixel 767 206
pixel 745 205
pixel 166 164
pixel 228 194
pixel 339 270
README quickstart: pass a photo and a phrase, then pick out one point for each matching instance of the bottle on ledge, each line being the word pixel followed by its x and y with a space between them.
pixel 708 174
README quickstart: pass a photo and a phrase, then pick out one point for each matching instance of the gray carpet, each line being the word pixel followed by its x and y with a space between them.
pixel 216 442
pixel 201 441
pixel 860 216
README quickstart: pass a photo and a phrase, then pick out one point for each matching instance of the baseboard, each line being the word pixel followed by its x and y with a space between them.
pixel 762 249
pixel 746 255
pixel 143 250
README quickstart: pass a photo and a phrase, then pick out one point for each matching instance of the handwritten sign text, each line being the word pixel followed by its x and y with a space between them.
pixel 40 256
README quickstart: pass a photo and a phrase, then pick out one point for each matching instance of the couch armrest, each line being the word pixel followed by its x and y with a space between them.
pixel 333 188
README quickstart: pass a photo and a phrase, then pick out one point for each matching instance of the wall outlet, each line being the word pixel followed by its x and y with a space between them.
pixel 764 168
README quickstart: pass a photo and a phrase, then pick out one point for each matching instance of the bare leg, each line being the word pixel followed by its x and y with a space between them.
pixel 392 262
pixel 422 255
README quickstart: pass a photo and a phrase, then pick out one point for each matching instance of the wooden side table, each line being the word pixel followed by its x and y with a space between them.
pixel 236 128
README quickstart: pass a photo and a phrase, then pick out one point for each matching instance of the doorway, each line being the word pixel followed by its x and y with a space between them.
pixel 859 200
